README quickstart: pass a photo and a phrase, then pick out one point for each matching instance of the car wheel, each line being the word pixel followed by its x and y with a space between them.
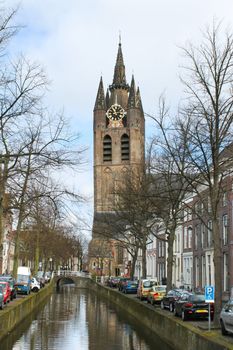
pixel 171 307
pixel 224 331
pixel 184 316
pixel 162 305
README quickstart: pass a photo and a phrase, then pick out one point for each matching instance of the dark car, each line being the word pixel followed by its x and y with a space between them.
pixel 113 282
pixel 130 287
pixel 170 298
pixel 11 281
pixel 121 282
pixel 192 305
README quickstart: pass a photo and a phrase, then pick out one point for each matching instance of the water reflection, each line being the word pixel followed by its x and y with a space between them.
pixel 77 319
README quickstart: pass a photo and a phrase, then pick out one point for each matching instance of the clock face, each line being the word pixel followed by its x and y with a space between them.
pixel 116 112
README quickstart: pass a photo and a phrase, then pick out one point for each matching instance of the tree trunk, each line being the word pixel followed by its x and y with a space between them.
pixel 144 272
pixel 134 259
pixel 37 253
pixel 171 238
pixel 217 271
pixel 17 241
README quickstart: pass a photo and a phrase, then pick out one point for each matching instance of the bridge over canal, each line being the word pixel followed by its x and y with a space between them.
pixel 80 279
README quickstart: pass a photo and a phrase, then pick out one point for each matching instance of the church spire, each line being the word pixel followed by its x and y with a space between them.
pixel 132 94
pixel 100 98
pixel 119 78
pixel 138 99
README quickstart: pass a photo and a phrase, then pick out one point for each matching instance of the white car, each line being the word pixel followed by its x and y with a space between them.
pixel 35 285
pixel 226 318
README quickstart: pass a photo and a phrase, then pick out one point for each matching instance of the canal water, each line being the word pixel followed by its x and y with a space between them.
pixel 77 319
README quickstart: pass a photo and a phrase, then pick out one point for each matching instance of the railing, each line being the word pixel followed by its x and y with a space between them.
pixel 69 273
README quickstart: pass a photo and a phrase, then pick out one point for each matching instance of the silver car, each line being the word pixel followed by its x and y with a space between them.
pixel 226 318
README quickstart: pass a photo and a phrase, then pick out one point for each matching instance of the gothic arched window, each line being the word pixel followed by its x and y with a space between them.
pixel 107 149
pixel 125 147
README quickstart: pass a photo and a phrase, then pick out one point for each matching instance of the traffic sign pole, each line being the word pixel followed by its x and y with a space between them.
pixel 209 298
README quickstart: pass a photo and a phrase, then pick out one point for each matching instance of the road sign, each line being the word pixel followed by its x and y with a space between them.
pixel 209 294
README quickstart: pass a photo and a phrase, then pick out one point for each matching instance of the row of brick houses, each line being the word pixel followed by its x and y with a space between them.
pixel 193 265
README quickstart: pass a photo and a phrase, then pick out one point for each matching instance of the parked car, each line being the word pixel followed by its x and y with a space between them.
pixel 192 305
pixel 47 276
pixel 1 298
pixel 35 285
pixel 113 282
pixel 144 287
pixel 226 318
pixel 11 281
pixel 130 287
pixel 170 298
pixel 6 291
pixel 40 278
pixel 156 294
pixel 121 282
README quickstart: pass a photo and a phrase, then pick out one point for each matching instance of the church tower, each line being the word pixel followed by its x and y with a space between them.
pixel 119 143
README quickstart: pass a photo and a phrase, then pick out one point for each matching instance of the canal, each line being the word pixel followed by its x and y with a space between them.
pixel 77 319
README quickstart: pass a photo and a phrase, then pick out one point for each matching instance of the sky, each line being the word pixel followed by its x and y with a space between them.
pixel 76 41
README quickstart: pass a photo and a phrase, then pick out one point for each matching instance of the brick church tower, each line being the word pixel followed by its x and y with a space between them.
pixel 119 145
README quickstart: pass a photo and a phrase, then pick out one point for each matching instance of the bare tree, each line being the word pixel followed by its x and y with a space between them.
pixel 168 192
pixel 205 129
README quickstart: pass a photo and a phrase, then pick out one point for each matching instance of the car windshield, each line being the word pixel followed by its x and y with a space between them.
pixel 146 284
pixel 160 289
pixel 22 278
pixel 40 274
pixel 200 297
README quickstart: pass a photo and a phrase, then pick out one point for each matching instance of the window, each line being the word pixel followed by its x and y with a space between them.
pixel 225 272
pixel 189 216
pixel 190 237
pixel 197 270
pixel 203 272
pixel 185 238
pixel 125 147
pixel 224 199
pixel 209 205
pixel 202 235
pixel 209 269
pixel 196 236
pixel 107 149
pixel 209 234
pixel 224 230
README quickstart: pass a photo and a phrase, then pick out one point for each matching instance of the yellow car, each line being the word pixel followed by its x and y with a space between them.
pixel 156 294
pixel 144 287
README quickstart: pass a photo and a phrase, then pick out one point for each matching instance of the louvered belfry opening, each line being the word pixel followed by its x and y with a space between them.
pixel 125 147
pixel 107 149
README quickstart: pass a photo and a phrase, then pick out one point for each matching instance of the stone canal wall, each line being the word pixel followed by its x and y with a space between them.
pixel 172 330
pixel 20 308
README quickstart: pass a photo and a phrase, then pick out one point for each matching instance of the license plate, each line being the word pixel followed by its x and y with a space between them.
pixel 202 311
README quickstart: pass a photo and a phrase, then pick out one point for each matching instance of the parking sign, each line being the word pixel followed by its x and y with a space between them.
pixel 209 294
